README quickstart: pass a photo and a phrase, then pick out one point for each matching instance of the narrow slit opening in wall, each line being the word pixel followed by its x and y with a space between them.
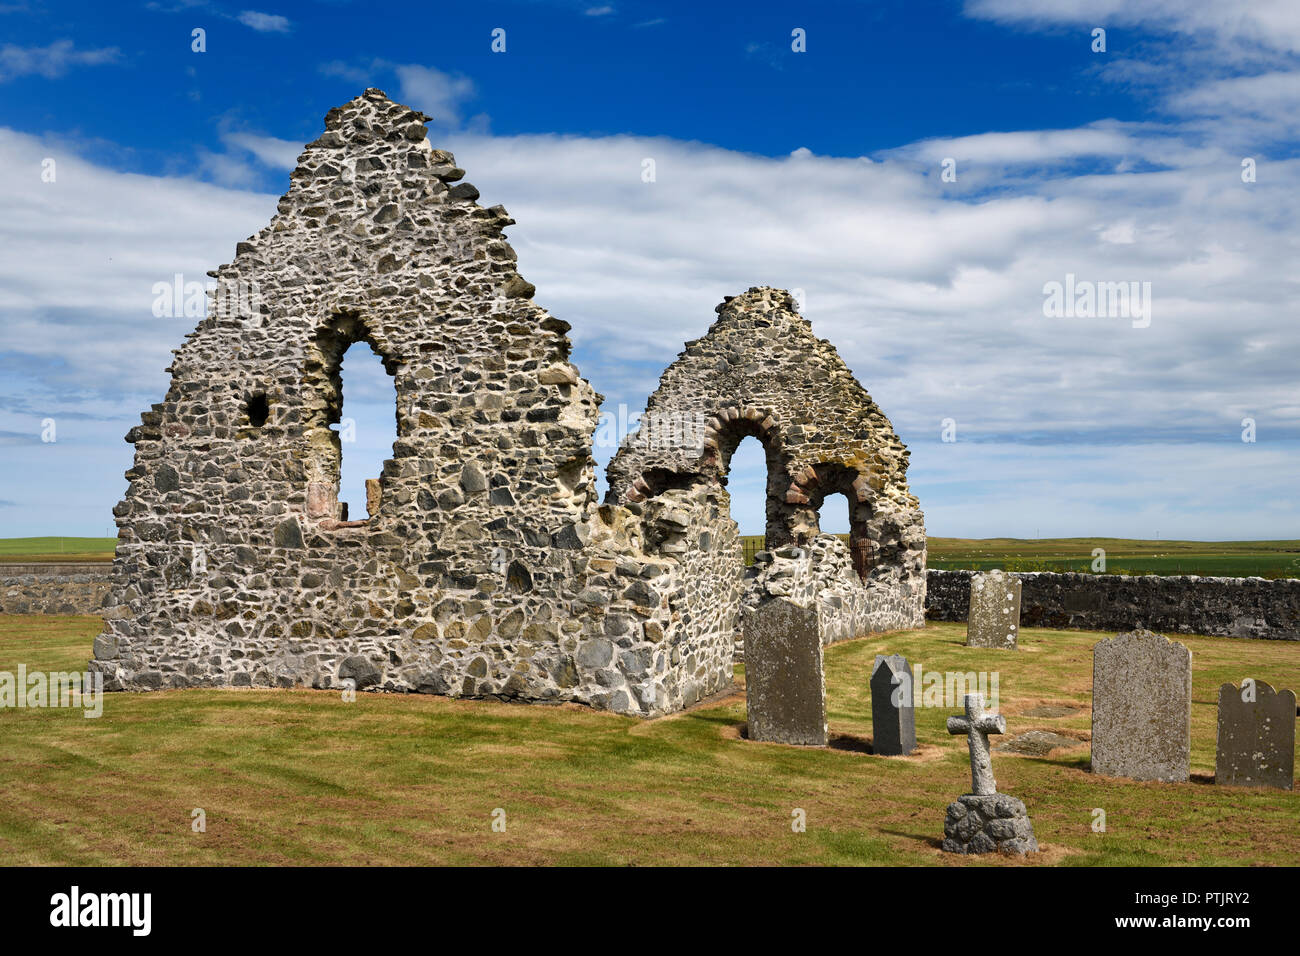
pixel 367 426
pixel 258 409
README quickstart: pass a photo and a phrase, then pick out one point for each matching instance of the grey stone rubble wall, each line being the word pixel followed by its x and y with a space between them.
pixel 63 588
pixel 488 569
pixel 1184 604
pixel 761 372
pixel 822 573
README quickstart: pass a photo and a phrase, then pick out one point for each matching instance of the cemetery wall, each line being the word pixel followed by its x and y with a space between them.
pixel 64 588
pixel 1186 604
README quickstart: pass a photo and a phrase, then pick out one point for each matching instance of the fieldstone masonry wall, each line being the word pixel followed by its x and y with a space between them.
pixel 486 568
pixel 72 588
pixel 1222 607
pixel 822 574
pixel 761 372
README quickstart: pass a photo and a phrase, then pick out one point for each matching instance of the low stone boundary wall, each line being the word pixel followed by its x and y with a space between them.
pixel 1223 607
pixel 64 588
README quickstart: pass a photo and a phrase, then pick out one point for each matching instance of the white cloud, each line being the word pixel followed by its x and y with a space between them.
pixel 932 294
pixel 439 94
pixel 264 22
pixel 51 61
pixel 1273 24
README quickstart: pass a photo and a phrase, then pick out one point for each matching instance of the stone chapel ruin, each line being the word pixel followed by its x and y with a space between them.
pixel 487 567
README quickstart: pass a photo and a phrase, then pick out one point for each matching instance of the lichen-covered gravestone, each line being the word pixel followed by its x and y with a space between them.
pixel 994 616
pixel 1256 738
pixel 985 821
pixel 1142 707
pixel 893 720
pixel 785 688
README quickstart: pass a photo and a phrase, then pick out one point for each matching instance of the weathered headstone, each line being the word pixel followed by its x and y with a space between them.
pixel 994 616
pixel 985 821
pixel 893 719
pixel 785 689
pixel 1142 707
pixel 1256 739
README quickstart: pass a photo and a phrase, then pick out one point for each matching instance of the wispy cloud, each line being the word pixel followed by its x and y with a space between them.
pixel 51 61
pixel 264 22
pixel 442 95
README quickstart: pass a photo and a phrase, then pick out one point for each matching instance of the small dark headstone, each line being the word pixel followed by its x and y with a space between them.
pixel 893 720
pixel 1256 740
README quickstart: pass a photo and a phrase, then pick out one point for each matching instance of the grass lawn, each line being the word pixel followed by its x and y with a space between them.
pixel 303 777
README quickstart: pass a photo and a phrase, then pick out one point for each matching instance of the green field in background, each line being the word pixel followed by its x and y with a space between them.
pixel 1237 559
pixel 18 550
pixel 1266 559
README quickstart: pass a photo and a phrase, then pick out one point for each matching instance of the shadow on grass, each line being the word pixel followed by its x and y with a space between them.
pixel 934 843
pixel 848 743
pixel 851 743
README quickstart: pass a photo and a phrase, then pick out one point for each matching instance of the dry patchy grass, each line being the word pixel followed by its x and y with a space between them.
pixel 300 777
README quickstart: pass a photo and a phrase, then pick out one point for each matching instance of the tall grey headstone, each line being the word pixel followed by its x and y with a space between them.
pixel 985 821
pixel 893 719
pixel 785 688
pixel 1256 738
pixel 1142 707
pixel 994 616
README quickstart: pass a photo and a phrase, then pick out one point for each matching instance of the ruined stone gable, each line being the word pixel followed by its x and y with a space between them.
pixel 488 568
pixel 760 371
pixel 485 567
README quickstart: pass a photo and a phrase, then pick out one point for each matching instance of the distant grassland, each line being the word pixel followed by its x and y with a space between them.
pixel 1234 559
pixel 32 550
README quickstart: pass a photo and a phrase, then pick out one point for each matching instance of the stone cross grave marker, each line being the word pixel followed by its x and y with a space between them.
pixel 893 719
pixel 977 725
pixel 1142 707
pixel 1256 736
pixel 785 688
pixel 994 616
pixel 985 821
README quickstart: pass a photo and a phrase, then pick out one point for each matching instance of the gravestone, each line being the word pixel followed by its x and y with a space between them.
pixel 785 689
pixel 985 821
pixel 1141 707
pixel 994 616
pixel 1256 738
pixel 893 719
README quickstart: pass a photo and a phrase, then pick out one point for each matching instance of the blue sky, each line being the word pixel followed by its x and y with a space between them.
pixel 820 171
